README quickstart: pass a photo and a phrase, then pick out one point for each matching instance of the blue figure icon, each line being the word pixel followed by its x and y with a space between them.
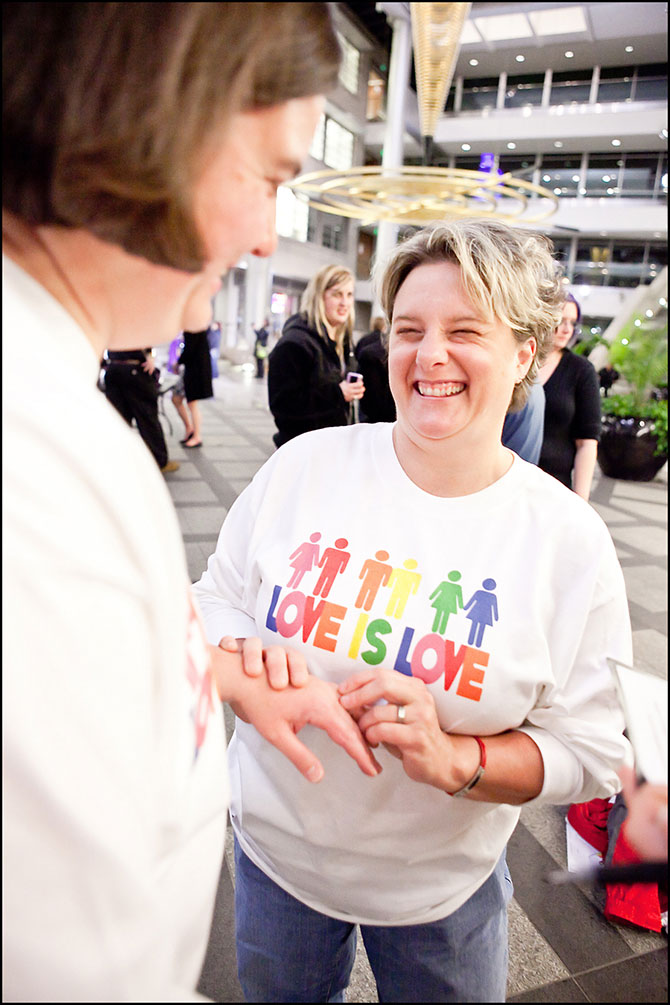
pixel 484 612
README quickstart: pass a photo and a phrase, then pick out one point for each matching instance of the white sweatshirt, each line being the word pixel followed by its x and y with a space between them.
pixel 506 602
pixel 115 780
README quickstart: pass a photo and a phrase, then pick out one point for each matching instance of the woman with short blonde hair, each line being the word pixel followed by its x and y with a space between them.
pixel 463 602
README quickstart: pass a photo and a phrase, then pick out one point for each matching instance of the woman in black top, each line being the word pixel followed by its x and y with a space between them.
pixel 572 409
pixel 197 363
pixel 307 385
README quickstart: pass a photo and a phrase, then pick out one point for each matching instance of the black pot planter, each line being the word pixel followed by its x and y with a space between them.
pixel 626 449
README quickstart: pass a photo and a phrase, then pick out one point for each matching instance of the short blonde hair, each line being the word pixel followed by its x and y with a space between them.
pixel 311 303
pixel 508 273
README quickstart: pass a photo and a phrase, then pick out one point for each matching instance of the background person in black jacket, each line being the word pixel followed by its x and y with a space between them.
pixel 307 385
pixel 372 362
pixel 572 408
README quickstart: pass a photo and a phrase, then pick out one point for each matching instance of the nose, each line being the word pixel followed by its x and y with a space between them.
pixel 268 244
pixel 432 350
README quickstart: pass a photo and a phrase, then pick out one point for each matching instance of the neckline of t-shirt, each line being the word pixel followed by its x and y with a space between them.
pixel 397 484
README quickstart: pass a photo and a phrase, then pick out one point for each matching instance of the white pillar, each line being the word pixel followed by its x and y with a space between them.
pixel 393 156
pixel 257 289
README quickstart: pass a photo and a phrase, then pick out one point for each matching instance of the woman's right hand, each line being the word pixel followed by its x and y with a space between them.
pixel 353 390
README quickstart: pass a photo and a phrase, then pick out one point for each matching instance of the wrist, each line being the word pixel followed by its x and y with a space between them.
pixel 470 768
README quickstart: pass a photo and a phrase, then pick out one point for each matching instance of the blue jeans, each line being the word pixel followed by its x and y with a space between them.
pixel 287 952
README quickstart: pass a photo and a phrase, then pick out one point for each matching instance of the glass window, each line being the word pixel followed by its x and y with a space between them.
pixel 652 89
pixel 333 236
pixel 593 252
pixel 630 253
pixel 524 90
pixel 339 146
pixel 626 279
pixel 569 87
pixel 348 75
pixel 292 214
pixel 639 175
pixel 311 225
pixel 589 277
pixel 561 174
pixel 658 258
pixel 652 83
pixel 602 174
pixel 479 94
pixel 467 163
pixel 316 149
pixel 376 95
pixel 520 167
pixel 616 83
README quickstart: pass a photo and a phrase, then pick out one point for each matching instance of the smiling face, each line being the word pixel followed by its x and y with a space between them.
pixel 451 370
pixel 566 328
pixel 337 303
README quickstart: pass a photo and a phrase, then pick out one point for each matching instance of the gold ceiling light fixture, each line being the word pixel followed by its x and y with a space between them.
pixel 415 196
pixel 436 36
pixel 418 195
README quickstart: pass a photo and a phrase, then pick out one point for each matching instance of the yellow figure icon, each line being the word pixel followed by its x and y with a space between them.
pixel 404 583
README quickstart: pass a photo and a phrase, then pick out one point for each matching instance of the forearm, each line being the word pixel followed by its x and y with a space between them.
pixel 585 462
pixel 514 771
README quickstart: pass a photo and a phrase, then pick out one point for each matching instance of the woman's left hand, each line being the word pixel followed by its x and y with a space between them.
pixel 414 735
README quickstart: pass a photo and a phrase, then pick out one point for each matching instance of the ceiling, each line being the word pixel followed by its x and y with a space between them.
pixel 496 33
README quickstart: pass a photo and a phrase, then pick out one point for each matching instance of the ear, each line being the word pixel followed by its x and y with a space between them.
pixel 525 356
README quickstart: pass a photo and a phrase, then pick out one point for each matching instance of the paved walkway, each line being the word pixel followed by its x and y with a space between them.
pixel 561 947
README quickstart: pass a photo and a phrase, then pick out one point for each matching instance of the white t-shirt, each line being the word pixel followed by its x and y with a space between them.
pixel 506 602
pixel 115 780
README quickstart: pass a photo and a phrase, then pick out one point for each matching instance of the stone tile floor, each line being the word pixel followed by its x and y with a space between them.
pixel 561 947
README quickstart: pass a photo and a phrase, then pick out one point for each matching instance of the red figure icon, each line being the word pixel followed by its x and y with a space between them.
pixel 374 574
pixel 333 561
pixel 304 558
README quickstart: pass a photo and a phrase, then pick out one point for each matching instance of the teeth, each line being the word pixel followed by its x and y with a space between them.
pixel 439 390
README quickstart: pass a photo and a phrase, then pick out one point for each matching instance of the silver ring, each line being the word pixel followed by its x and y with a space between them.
pixel 400 714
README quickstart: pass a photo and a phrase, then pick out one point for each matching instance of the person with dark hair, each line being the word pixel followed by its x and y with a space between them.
pixel 307 369
pixel 197 362
pixel 572 408
pixel 144 144
pixel 464 603
pixel 372 362
pixel 261 347
pixel 376 332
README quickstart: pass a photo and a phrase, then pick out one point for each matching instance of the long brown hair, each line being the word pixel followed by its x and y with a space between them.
pixel 108 107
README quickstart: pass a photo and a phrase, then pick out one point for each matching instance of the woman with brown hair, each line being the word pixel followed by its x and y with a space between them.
pixel 307 369
pixel 144 144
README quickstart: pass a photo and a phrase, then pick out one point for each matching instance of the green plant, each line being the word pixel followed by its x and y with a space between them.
pixel 640 354
pixel 624 405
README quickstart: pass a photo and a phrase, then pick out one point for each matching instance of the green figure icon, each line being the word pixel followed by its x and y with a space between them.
pixel 404 583
pixel 448 598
